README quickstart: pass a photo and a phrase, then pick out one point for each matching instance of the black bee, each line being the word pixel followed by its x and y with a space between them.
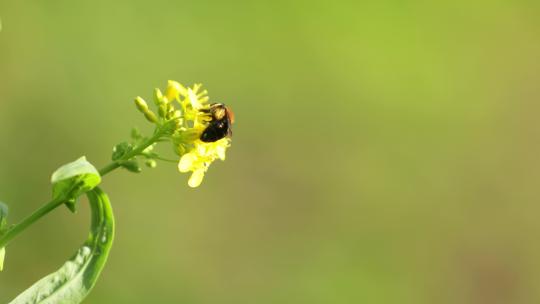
pixel 220 125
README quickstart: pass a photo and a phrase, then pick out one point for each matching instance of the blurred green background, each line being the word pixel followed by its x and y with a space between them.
pixel 384 151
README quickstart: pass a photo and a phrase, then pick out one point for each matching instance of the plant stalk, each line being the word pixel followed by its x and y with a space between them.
pixel 6 237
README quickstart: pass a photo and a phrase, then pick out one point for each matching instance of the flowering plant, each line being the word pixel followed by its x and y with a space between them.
pixel 199 133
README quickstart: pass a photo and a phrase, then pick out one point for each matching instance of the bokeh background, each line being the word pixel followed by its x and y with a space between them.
pixel 384 151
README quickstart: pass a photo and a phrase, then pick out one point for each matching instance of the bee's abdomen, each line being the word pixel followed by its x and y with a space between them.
pixel 215 131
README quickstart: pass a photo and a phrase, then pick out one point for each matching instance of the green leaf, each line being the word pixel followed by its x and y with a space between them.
pixel 76 278
pixel 73 179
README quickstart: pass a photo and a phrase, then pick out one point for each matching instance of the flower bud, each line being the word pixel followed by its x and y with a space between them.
pixel 150 163
pixel 158 97
pixel 162 110
pixel 141 104
pixel 136 134
pixel 131 165
pixel 150 116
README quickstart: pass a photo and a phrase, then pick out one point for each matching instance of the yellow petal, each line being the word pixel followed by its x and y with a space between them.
pixel 186 162
pixel 196 178
pixel 174 89
pixel 220 151
pixel 201 149
pixel 194 100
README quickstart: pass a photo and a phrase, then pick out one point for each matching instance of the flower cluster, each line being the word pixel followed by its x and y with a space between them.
pixel 185 111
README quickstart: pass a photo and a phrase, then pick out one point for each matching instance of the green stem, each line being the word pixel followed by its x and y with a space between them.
pixel 137 151
pixel 55 203
pixel 11 233
pixel 108 168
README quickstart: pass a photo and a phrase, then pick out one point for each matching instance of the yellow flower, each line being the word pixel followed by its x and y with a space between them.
pixel 200 157
pixel 187 110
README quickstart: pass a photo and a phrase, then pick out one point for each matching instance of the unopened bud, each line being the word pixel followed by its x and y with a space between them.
pixel 158 97
pixel 162 110
pixel 141 104
pixel 131 165
pixel 150 163
pixel 136 134
pixel 150 116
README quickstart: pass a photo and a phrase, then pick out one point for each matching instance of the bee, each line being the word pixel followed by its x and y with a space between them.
pixel 220 124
